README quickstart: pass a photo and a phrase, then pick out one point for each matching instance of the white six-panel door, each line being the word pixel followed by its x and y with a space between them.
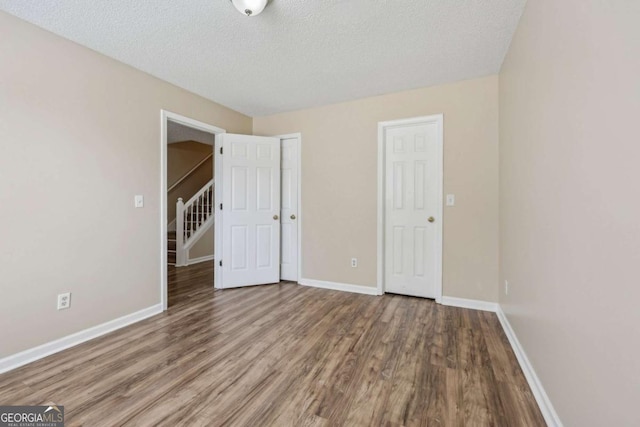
pixel 412 209
pixel 250 197
pixel 290 214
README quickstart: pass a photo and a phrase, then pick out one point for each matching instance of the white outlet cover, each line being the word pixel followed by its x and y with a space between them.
pixel 354 262
pixel 64 301
pixel 139 201
pixel 451 199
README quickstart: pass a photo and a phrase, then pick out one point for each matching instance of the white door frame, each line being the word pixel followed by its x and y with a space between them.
pixel 297 135
pixel 166 116
pixel 382 127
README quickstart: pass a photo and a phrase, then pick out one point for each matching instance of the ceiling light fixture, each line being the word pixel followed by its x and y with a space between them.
pixel 250 7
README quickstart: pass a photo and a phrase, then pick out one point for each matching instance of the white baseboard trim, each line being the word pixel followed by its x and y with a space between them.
pixel 345 287
pixel 548 412
pixel 31 355
pixel 192 261
pixel 470 303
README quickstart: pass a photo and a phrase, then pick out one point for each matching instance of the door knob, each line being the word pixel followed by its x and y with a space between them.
pixel 292 216
pixel 431 219
pixel 276 217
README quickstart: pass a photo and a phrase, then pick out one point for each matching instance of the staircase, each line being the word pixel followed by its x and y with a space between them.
pixel 193 218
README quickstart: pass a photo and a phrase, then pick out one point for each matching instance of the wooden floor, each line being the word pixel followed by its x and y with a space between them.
pixel 286 355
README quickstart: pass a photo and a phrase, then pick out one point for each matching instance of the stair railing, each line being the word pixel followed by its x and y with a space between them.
pixel 193 218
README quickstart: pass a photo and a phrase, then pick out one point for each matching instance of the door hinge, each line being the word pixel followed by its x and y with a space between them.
pixel 220 150
pixel 220 263
pixel 220 206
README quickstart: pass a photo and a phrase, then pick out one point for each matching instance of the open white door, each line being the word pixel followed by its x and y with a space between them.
pixel 247 241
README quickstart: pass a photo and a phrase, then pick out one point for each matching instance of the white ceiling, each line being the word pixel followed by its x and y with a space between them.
pixel 180 133
pixel 297 53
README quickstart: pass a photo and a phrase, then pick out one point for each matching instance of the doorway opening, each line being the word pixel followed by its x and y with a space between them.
pixel 186 195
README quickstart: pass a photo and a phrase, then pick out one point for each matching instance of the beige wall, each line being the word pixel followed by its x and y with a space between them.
pixel 80 137
pixel 569 207
pixel 184 156
pixel 204 246
pixel 339 181
pixel 181 158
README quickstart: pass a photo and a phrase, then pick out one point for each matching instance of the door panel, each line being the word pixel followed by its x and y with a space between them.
pixel 239 247
pixel 289 209
pixel 239 189
pixel 264 242
pixel 412 153
pixel 250 197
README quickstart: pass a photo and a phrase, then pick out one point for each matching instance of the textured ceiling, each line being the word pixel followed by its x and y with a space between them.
pixel 297 53
pixel 179 133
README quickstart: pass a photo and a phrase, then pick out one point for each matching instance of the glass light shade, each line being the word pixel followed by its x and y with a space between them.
pixel 250 7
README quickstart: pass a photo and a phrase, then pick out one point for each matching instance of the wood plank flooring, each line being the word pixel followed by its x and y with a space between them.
pixel 286 355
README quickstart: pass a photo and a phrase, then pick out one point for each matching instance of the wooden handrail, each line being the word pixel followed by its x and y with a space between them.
pixel 193 169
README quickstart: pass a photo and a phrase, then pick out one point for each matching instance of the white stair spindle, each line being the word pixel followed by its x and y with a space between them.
pixel 189 219
pixel 197 214
pixel 187 230
pixel 180 233
pixel 199 211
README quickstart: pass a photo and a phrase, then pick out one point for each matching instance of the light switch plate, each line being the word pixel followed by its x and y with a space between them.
pixel 139 201
pixel 451 199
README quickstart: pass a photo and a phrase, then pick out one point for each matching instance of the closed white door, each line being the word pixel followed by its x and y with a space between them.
pixel 289 209
pixel 250 211
pixel 413 207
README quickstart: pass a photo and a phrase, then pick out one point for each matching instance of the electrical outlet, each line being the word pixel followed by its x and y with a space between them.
pixel 64 301
pixel 506 287
pixel 354 262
